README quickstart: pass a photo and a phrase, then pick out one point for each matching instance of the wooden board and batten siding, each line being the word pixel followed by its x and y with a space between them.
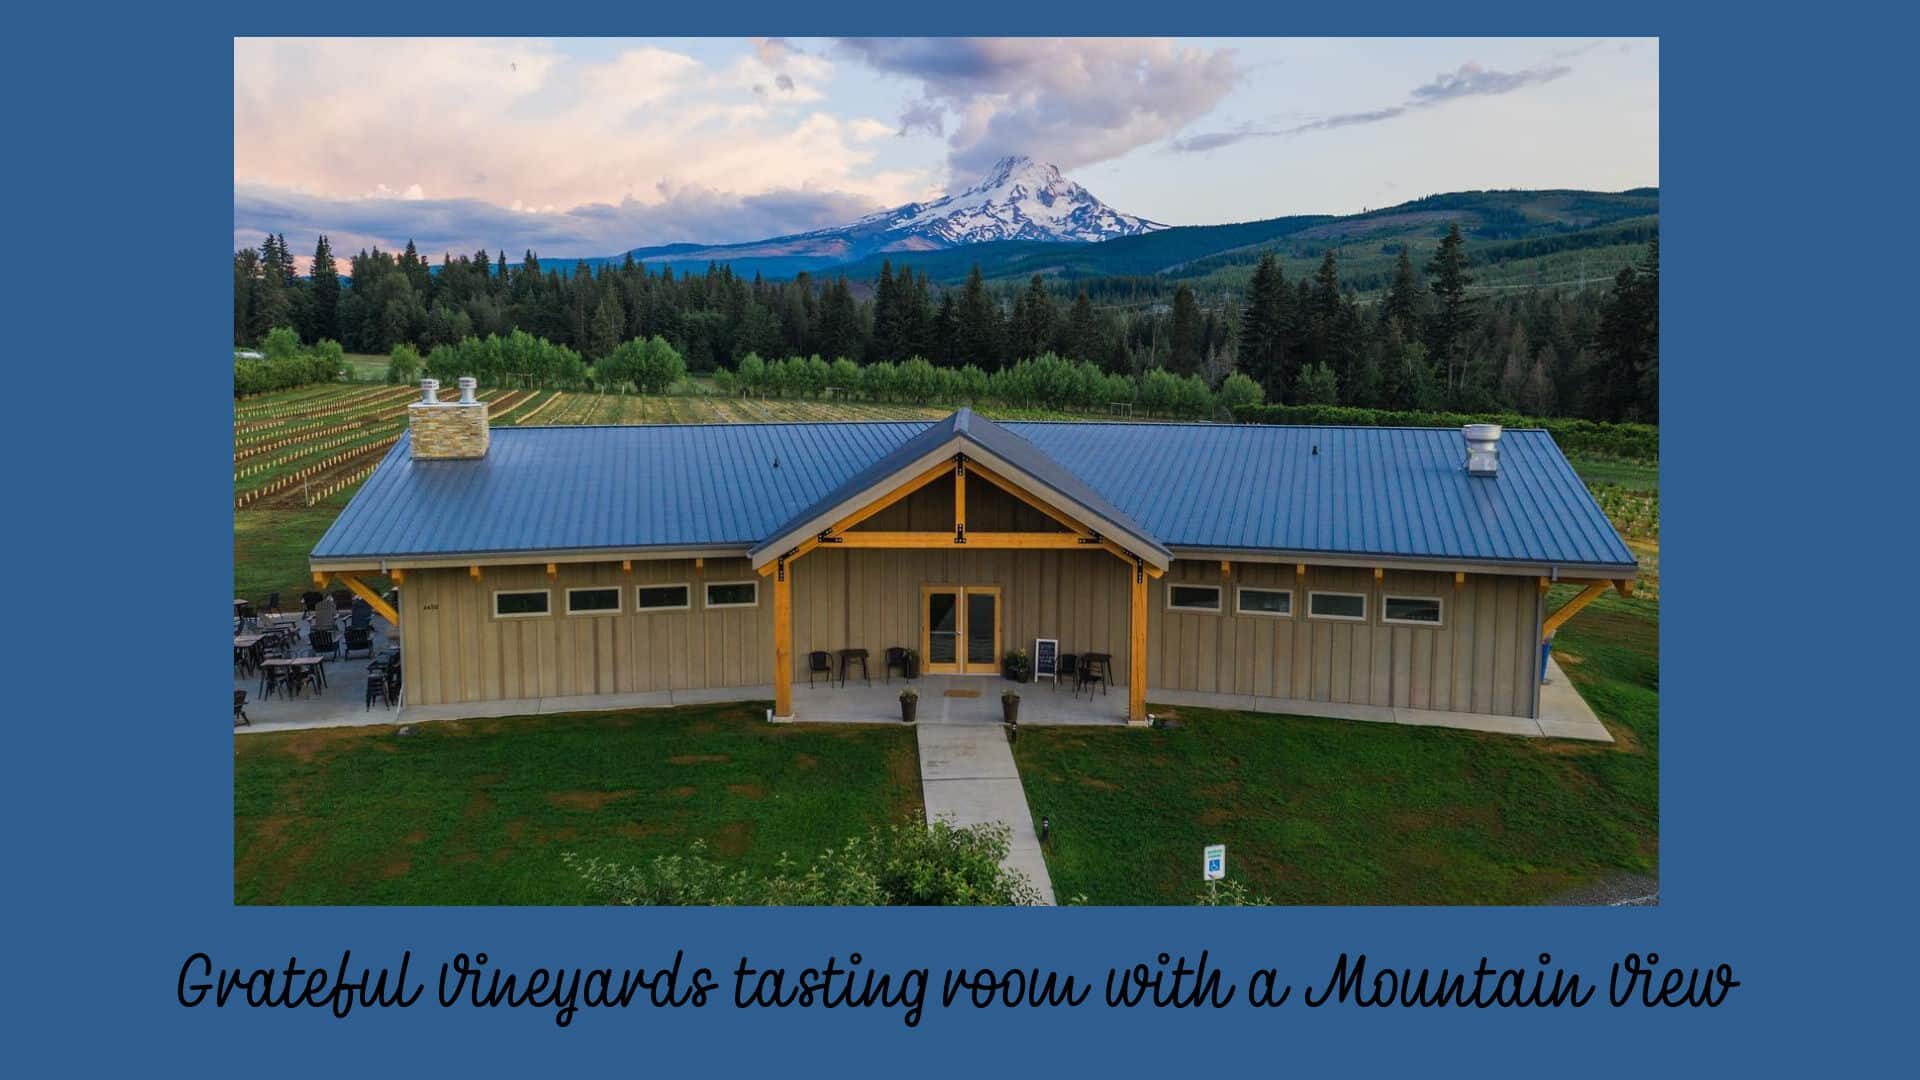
pixel 1481 658
pixel 458 651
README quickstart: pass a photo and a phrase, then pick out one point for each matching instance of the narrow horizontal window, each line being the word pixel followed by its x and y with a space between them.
pixel 725 594
pixel 594 601
pixel 1265 601
pixel 664 598
pixel 1415 610
pixel 522 603
pixel 1193 598
pixel 1349 606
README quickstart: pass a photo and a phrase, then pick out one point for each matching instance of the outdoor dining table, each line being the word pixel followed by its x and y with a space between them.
pixel 317 663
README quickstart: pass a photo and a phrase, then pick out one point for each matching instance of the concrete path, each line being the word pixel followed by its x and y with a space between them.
pixel 969 778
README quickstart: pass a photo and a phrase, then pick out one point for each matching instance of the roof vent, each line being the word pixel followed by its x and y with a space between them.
pixel 1483 449
pixel 448 429
pixel 430 391
pixel 468 384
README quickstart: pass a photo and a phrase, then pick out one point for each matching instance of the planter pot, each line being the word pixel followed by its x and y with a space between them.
pixel 1010 711
pixel 907 711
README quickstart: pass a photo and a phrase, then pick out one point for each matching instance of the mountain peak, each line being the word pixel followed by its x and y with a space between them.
pixel 1018 199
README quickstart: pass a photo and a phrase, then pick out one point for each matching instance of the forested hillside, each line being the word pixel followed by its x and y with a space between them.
pixel 1411 316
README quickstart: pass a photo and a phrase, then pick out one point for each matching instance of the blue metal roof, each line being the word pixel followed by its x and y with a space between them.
pixel 1362 491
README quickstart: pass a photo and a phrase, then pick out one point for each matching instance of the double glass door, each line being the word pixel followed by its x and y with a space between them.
pixel 960 629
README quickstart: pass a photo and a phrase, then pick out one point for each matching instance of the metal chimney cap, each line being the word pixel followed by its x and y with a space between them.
pixel 467 386
pixel 430 391
pixel 1481 432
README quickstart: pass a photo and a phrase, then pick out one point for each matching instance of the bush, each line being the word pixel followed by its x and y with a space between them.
pixel 1633 442
pixel 652 365
pixel 1237 391
pixel 403 364
pixel 908 864
pixel 285 364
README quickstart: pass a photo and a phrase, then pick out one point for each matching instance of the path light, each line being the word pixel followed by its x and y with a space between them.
pixel 1046 826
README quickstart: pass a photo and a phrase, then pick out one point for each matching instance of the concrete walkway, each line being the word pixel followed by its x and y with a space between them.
pixel 969 778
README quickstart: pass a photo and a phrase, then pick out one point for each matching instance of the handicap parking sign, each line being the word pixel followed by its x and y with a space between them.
pixel 1213 862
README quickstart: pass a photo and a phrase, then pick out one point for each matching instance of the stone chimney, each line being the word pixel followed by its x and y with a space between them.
pixel 1483 449
pixel 448 430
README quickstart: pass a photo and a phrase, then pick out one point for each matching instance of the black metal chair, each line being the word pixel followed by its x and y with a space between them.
pixel 819 663
pixel 273 604
pixel 309 599
pixel 1069 670
pixel 896 658
pixel 377 689
pixel 240 708
pixel 275 680
pixel 854 656
pixel 391 681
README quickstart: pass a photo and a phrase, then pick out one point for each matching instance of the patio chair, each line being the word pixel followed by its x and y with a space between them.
pixel 275 680
pixel 322 641
pixel 377 689
pixel 391 681
pixel 342 599
pixel 896 658
pixel 1069 671
pixel 819 663
pixel 1093 669
pixel 240 708
pixel 309 598
pixel 357 637
pixel 273 604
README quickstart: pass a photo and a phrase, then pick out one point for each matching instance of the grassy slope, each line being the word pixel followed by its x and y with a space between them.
pixel 478 812
pixel 1337 812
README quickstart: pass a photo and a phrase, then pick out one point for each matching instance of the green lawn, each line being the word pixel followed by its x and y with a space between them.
pixel 479 811
pixel 1339 812
pixel 270 550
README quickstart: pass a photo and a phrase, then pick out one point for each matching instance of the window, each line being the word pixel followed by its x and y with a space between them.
pixel 664 598
pixel 1278 602
pixel 522 604
pixel 594 601
pixel 1348 606
pixel 725 594
pixel 1413 610
pixel 1204 598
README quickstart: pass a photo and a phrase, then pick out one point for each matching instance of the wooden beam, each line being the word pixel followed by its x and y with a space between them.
pixel 1029 498
pixel 1300 570
pixel 1226 568
pixel 700 566
pixel 626 566
pixel 399 576
pixel 1379 574
pixel 1625 585
pixel 320 580
pixel 1137 647
pixel 373 599
pixel 1459 578
pixel 1045 541
pixel 552 571
pixel 1545 584
pixel 959 496
pixel 783 639
pixel 867 511
pixel 474 571
pixel 1572 607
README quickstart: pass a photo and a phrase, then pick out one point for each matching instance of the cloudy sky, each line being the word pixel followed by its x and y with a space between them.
pixel 593 146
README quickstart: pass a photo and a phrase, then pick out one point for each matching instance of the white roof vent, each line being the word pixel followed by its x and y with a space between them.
pixel 1483 449
pixel 430 391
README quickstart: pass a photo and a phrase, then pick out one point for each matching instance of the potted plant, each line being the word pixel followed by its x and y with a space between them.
pixel 1016 665
pixel 909 704
pixel 913 664
pixel 1010 712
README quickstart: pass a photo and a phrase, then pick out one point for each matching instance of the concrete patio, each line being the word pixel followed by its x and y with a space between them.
pixel 342 704
pixel 956 698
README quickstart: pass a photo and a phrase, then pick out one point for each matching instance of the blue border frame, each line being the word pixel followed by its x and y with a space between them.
pixel 120 800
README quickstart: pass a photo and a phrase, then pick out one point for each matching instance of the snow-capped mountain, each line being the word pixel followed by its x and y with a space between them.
pixel 1019 199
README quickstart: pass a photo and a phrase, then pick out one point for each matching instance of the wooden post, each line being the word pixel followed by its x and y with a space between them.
pixel 960 499
pixel 1137 648
pixel 782 640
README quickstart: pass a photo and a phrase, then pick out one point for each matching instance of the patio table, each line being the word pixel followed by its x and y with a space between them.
pixel 317 663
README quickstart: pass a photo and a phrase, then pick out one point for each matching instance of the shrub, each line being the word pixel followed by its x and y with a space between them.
pixel 403 364
pixel 1237 391
pixel 906 864
pixel 1634 442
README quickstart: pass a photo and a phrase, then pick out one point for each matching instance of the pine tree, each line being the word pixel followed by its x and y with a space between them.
pixel 1264 329
pixel 978 335
pixel 1447 330
pixel 323 319
pixel 1081 337
pixel 1033 322
pixel 1403 296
